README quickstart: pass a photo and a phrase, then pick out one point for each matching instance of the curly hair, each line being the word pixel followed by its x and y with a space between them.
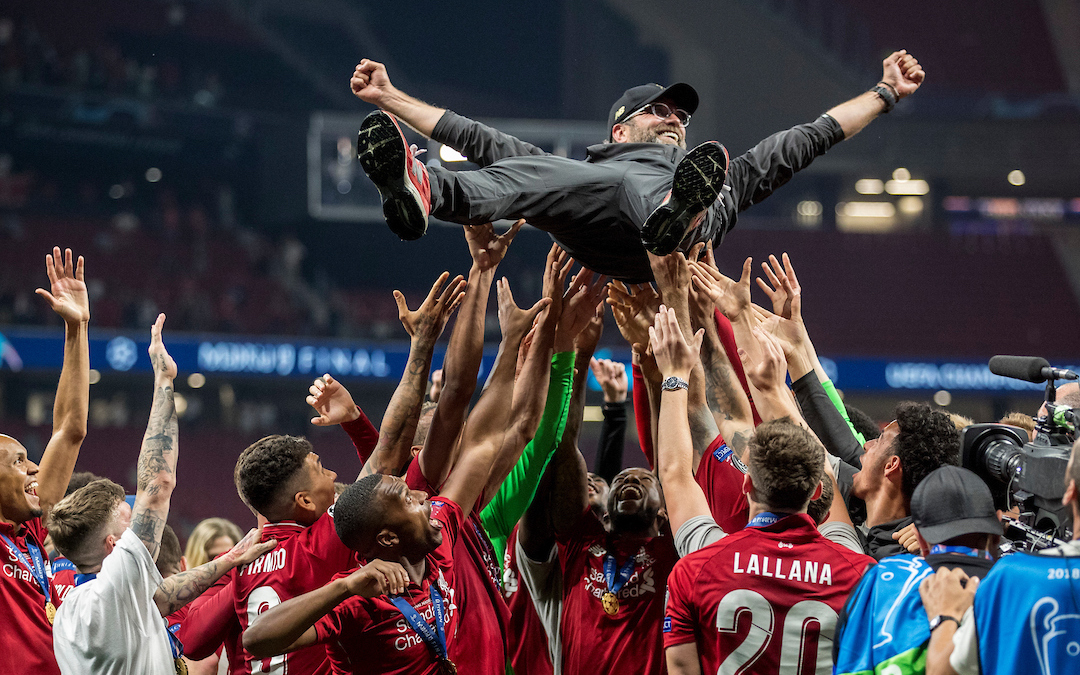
pixel 927 440
pixel 863 423
pixel 786 464
pixel 265 469
pixel 358 514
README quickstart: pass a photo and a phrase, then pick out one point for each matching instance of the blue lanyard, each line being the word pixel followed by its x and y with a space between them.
pixel 37 569
pixel 433 636
pixel 765 519
pixel 615 585
pixel 962 550
pixel 175 645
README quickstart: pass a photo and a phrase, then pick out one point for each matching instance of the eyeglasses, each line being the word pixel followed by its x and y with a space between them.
pixel 663 111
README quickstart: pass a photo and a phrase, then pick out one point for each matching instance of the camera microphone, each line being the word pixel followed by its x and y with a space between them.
pixel 1029 368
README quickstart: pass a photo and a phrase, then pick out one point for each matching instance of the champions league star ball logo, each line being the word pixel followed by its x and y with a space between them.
pixel 121 353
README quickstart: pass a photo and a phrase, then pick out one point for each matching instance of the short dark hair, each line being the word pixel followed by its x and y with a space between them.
pixel 265 468
pixel 358 514
pixel 927 440
pixel 80 516
pixel 786 464
pixel 169 554
pixel 863 423
pixel 80 479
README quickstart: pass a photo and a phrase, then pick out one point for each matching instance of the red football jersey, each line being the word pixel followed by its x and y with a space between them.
pixel 720 475
pixel 370 635
pixel 481 645
pixel 305 559
pixel 763 600
pixel 630 641
pixel 528 640
pixel 211 622
pixel 26 640
pixel 63 576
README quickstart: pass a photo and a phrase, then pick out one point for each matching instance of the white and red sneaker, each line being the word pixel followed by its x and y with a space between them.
pixel 697 182
pixel 401 179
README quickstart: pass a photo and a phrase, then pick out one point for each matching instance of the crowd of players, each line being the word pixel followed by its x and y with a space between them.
pixel 776 533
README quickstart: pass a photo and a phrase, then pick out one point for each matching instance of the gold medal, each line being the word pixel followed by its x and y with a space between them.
pixel 611 603
pixel 181 666
pixel 50 612
pixel 448 667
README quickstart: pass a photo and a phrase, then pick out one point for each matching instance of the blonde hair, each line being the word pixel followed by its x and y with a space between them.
pixel 204 534
pixel 79 521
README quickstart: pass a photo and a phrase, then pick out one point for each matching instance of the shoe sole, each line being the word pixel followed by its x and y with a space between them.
pixel 381 151
pixel 697 182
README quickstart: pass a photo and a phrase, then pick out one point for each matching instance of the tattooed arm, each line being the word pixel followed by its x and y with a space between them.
pixel 180 589
pixel 157 458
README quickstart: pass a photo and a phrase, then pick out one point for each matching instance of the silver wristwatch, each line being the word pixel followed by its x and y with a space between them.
pixel 674 383
pixel 942 618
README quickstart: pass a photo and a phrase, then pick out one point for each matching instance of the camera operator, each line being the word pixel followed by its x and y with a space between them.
pixel 883 624
pixel 1024 612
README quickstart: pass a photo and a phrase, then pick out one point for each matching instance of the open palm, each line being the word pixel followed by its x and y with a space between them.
pixel 67 295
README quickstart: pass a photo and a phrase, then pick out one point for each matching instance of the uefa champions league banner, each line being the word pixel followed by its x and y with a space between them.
pixel 232 355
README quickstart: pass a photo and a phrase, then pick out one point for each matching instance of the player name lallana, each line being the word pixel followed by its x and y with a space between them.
pixel 809 571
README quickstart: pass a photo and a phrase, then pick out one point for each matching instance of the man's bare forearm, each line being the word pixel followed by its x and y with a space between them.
pixel 180 589
pixel 275 631
pixel 461 367
pixel 156 468
pixel 412 111
pixel 402 414
pixel 70 411
pixel 855 114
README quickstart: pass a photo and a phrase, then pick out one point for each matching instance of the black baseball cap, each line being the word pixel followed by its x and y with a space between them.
pixel 635 98
pixel 953 501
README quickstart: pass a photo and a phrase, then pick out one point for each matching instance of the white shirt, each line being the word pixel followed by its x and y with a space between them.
pixel 110 625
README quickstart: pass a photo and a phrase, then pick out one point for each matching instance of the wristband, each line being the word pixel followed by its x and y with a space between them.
pixel 895 93
pixel 886 96
pixel 942 618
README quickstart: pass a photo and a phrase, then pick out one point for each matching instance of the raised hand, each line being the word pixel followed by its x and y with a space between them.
pixel 370 83
pixel 672 274
pixel 426 323
pixel 556 269
pixel 68 296
pixel 513 320
pixel 783 288
pixel 949 592
pixel 730 297
pixel 634 308
pixel 903 72
pixel 487 248
pixel 332 401
pixel 378 577
pixel 611 375
pixel 674 356
pixel 579 308
pixel 767 370
pixel 249 548
pixel 163 364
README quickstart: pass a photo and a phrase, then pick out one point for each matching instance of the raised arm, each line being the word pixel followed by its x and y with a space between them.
pixel 901 74
pixel 335 406
pixel 611 375
pixel 159 452
pixel 464 353
pixel 479 142
pixel 291 625
pixel 675 358
pixel 424 326
pixel 68 298
pixel 180 589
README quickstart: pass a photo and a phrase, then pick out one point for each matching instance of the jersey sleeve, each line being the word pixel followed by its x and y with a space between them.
pixel 482 144
pixel 720 474
pixel 209 618
pixel 322 541
pixel 449 514
pixel 363 434
pixel 679 613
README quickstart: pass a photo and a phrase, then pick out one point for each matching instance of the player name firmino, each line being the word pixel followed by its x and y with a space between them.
pixel 809 571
